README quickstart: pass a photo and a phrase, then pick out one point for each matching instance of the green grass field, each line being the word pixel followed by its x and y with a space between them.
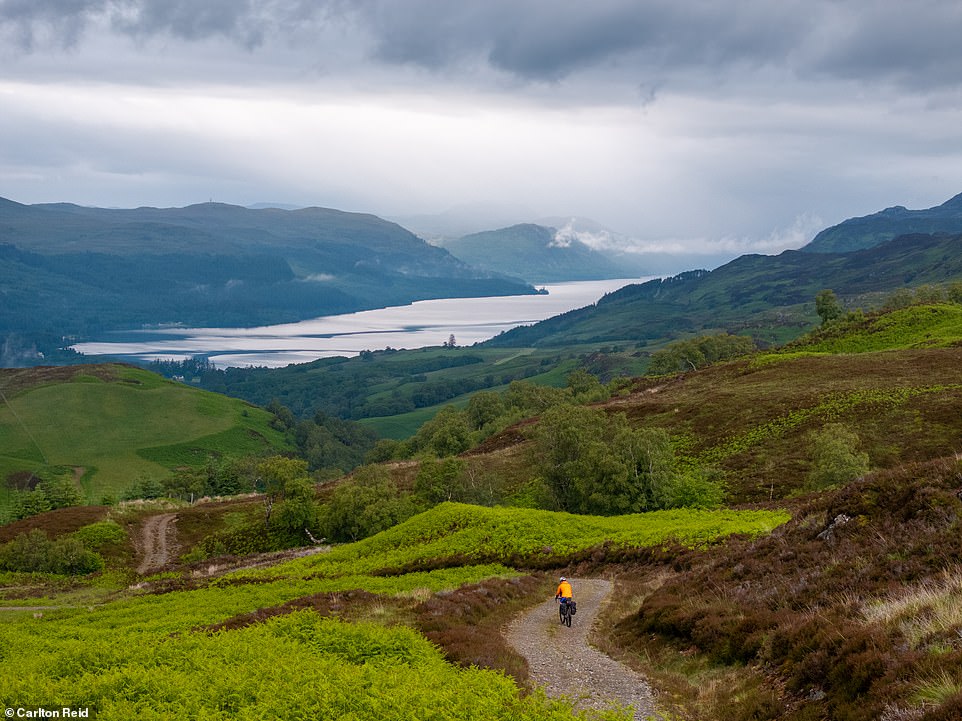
pixel 112 428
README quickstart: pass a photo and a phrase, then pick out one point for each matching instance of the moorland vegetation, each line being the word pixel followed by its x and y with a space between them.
pixel 796 556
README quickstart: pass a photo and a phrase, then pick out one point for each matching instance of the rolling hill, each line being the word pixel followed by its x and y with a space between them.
pixel 105 427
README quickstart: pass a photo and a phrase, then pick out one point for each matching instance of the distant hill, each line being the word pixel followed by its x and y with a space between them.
pixel 71 270
pixel 106 426
pixel 770 297
pixel 871 230
pixel 535 253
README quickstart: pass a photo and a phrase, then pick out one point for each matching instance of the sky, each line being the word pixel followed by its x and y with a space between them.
pixel 684 125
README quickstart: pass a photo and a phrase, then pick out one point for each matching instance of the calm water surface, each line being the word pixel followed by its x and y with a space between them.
pixel 424 323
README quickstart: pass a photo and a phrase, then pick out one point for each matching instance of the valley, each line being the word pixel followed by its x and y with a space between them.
pixel 761 515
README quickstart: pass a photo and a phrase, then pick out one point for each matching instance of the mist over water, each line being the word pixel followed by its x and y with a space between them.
pixel 420 324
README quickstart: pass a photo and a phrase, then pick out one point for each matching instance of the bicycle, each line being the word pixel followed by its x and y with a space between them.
pixel 564 612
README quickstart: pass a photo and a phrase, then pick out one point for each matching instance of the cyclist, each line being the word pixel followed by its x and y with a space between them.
pixel 564 598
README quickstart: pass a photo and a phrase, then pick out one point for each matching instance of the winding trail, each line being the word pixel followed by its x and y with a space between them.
pixel 156 541
pixel 560 659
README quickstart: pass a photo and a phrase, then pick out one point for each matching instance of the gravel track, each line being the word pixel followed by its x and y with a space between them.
pixel 156 541
pixel 561 660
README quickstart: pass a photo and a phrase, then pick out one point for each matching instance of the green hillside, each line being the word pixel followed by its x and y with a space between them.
pixel 894 378
pixel 799 601
pixel 534 253
pixel 106 426
pixel 768 297
pixel 871 230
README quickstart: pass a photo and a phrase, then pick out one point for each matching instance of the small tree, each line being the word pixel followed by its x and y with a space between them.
pixel 836 458
pixel 275 473
pixel 296 517
pixel 144 487
pixel 483 408
pixel 370 502
pixel 827 306
pixel 61 492
pixel 440 480
pixel 447 434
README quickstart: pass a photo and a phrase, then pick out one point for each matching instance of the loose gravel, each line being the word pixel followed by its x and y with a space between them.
pixel 561 660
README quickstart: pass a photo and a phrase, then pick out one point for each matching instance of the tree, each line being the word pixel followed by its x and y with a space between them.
pixel 368 503
pixel 297 515
pixel 186 484
pixel 274 474
pixel 954 292
pixel 447 434
pixel 563 440
pixel 581 382
pixel 30 503
pixel 440 480
pixel 61 492
pixel 651 465
pixel 836 458
pixel 695 353
pixel 898 299
pixel 484 408
pixel 144 487
pixel 599 464
pixel 827 306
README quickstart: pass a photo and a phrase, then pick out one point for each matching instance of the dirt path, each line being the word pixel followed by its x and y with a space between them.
pixel 157 541
pixel 561 660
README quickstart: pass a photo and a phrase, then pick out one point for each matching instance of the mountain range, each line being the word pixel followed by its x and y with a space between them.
pixel 534 253
pixel 552 250
pixel 72 270
pixel 870 230
pixel 770 297
pixel 67 270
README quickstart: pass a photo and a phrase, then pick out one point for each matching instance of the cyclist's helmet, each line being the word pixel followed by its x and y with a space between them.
pixel 563 578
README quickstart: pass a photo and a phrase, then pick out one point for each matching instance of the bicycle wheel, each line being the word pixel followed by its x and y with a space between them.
pixel 567 615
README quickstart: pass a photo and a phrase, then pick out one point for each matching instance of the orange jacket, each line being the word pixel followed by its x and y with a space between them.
pixel 564 590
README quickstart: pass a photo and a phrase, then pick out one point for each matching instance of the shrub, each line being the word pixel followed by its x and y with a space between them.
pixel 836 458
pixel 145 488
pixel 34 552
pixel 101 535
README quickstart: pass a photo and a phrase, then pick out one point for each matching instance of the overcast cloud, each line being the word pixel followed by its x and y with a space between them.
pixel 739 126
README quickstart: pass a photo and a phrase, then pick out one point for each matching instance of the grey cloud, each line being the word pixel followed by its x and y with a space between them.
pixel 912 44
pixel 544 40
pixel 31 22
pixel 235 19
pixel 548 40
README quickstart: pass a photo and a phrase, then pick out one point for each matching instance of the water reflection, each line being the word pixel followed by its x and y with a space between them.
pixel 424 323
